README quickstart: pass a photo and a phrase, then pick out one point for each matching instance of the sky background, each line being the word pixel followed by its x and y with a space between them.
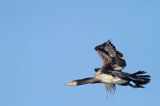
pixel 46 43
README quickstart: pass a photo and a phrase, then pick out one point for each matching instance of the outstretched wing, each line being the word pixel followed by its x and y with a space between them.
pixel 107 60
pixel 118 61
pixel 111 56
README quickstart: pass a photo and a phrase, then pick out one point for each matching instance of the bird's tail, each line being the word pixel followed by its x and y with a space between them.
pixel 139 79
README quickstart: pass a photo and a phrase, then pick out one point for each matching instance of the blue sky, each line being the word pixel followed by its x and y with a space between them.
pixel 46 43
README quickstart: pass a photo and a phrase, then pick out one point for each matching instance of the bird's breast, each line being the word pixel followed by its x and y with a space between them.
pixel 107 78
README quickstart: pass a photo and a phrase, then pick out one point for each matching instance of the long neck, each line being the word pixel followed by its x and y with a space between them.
pixel 88 80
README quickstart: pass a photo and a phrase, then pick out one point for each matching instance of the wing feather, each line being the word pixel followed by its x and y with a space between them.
pixel 118 61
pixel 105 57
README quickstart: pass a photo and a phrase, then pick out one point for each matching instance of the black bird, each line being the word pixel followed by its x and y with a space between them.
pixel 111 73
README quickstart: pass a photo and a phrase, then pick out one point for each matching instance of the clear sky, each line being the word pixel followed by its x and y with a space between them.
pixel 46 43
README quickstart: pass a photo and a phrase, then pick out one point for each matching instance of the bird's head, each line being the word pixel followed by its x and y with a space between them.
pixel 72 83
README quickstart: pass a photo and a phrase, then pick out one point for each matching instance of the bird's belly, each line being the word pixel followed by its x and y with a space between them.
pixel 105 78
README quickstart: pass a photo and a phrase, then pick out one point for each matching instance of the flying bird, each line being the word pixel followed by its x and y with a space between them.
pixel 110 73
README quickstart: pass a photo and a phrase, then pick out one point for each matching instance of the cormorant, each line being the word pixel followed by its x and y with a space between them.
pixel 111 73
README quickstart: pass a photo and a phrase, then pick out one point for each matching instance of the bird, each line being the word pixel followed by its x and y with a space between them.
pixel 111 72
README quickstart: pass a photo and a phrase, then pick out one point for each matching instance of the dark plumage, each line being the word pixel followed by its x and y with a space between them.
pixel 110 73
pixel 110 56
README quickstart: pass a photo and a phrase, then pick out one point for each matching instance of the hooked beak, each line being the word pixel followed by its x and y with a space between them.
pixel 73 83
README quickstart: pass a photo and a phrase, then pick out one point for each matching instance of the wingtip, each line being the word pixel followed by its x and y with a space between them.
pixel 109 41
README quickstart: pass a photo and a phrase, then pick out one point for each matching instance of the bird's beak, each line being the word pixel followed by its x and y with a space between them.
pixel 73 83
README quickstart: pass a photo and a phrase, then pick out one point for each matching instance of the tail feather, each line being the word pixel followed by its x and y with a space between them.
pixel 139 72
pixel 140 79
pixel 146 76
